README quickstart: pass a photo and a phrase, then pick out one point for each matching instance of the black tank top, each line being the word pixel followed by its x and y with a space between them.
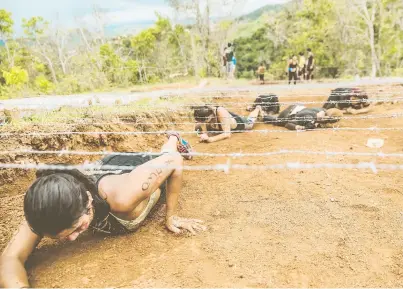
pixel 109 224
pixel 305 117
pixel 310 61
pixel 293 65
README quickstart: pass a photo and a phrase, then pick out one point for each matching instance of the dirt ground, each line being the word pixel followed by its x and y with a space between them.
pixel 278 228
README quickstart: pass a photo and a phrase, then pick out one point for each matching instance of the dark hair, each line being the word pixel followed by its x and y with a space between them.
pixel 57 199
pixel 201 113
pixel 309 50
pixel 229 44
pixel 301 53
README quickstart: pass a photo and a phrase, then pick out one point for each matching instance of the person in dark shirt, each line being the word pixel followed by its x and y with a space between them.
pixel 299 117
pixel 310 65
pixel 229 54
pixel 268 102
pixel 293 70
pixel 350 100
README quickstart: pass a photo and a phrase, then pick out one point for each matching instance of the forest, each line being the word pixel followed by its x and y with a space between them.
pixel 347 37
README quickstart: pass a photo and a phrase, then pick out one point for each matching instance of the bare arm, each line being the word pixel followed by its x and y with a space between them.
pixel 224 117
pixel 145 179
pixel 12 261
pixel 354 111
pixel 140 183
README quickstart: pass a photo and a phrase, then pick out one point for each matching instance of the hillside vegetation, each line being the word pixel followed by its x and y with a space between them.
pixel 348 37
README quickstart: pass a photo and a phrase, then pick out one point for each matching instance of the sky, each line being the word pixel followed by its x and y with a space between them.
pixel 67 13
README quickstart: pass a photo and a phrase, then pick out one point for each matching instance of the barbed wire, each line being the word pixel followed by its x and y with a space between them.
pixel 265 104
pixel 217 167
pixel 246 93
pixel 375 129
pixel 395 98
pixel 209 91
pixel 203 154
pixel 168 109
pixel 89 121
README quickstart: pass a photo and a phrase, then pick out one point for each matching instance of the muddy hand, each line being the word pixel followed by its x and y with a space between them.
pixel 175 224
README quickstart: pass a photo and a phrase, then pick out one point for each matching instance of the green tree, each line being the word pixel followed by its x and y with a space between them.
pixel 16 77
pixel 36 29
pixel 6 30
pixel 112 64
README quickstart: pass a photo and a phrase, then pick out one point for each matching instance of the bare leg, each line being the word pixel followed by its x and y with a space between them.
pixel 252 117
pixel 256 112
pixel 170 145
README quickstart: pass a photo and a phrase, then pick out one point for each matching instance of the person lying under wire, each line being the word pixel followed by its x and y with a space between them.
pixel 269 104
pixel 350 100
pixel 65 204
pixel 299 117
pixel 217 119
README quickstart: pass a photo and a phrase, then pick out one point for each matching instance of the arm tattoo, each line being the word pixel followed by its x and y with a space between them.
pixel 146 185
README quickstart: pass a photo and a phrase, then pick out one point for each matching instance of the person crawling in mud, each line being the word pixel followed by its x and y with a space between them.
pixel 269 103
pixel 218 120
pixel 350 100
pixel 65 204
pixel 299 117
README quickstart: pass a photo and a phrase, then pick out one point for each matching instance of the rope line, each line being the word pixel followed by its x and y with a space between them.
pixel 237 104
pixel 89 122
pixel 377 129
pixel 218 167
pixel 233 155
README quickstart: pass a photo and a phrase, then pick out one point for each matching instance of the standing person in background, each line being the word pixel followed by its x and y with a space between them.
pixel 292 70
pixel 310 65
pixel 233 66
pixel 229 53
pixel 287 67
pixel 302 66
pixel 260 71
pixel 224 62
